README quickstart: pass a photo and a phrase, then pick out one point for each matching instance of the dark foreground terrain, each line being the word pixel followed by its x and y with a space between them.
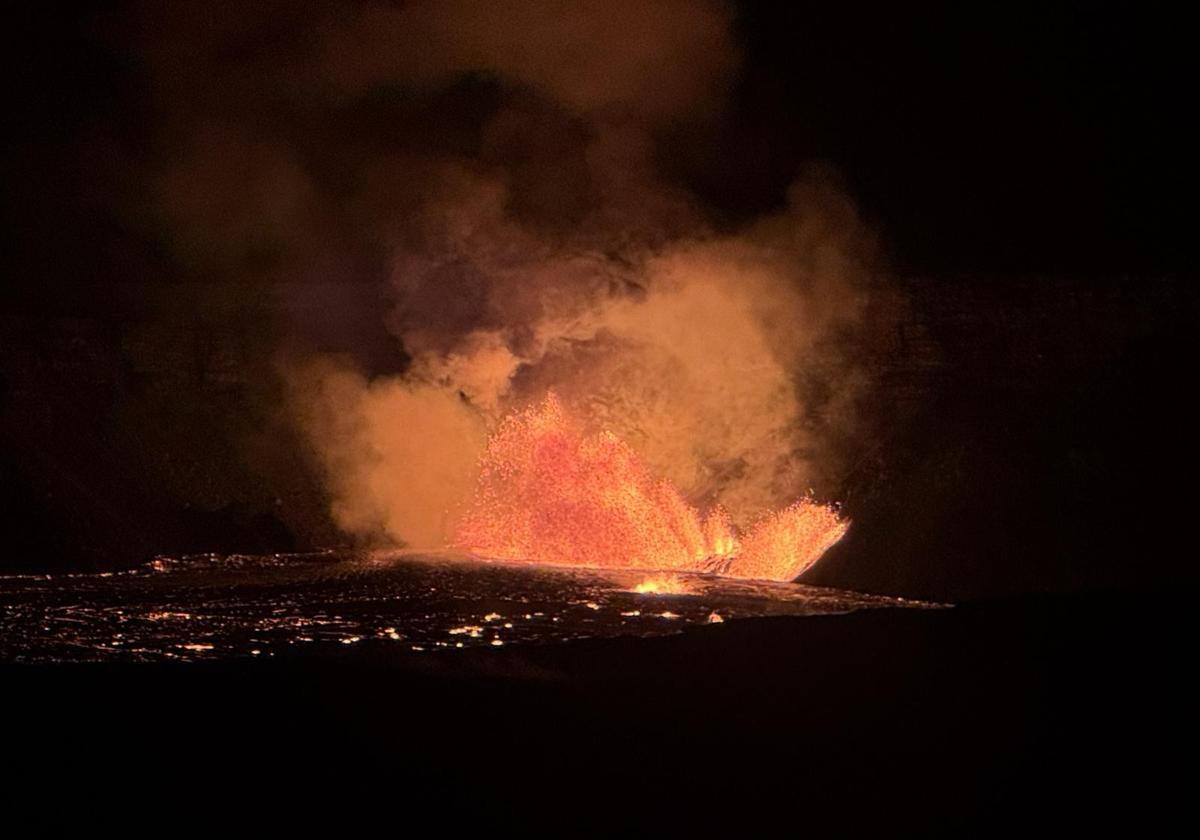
pixel 1016 716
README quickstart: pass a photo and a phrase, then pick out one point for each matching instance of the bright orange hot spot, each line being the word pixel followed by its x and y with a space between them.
pixel 547 493
pixel 661 586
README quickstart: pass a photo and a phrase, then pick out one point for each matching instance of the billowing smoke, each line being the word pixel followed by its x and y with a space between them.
pixel 519 237
pixel 514 276
pixel 400 456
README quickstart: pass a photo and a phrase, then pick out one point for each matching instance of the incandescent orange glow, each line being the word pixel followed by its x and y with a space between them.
pixel 661 586
pixel 548 493
pixel 788 541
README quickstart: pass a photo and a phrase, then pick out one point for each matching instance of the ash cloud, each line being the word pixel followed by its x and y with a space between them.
pixel 483 180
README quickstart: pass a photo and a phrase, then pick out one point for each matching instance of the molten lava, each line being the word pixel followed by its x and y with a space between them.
pixel 548 493
pixel 662 586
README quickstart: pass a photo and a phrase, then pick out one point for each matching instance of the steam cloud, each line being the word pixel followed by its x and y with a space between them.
pixel 543 251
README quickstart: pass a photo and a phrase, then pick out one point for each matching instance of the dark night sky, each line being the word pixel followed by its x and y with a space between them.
pixel 1030 168
pixel 1009 138
pixel 1014 138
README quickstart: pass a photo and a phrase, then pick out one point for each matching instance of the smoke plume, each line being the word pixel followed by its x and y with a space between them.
pixel 485 181
pixel 578 270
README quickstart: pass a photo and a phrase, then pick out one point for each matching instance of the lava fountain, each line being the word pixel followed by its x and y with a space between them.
pixel 548 493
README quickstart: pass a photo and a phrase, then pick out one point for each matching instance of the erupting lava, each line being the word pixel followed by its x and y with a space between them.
pixel 549 494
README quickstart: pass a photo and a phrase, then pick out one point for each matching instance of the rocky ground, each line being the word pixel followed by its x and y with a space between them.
pixel 1031 715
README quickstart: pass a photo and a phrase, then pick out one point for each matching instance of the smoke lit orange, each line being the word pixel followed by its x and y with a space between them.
pixel 548 493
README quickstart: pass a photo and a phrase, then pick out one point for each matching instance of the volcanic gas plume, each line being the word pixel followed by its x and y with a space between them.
pixel 695 363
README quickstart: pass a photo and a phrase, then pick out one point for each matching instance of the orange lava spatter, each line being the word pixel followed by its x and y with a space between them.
pixel 548 493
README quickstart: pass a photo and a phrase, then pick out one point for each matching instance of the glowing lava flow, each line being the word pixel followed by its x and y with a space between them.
pixel 549 494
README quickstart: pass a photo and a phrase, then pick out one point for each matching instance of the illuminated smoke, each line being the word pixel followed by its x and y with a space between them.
pixel 431 214
pixel 554 258
pixel 400 457
pixel 689 353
